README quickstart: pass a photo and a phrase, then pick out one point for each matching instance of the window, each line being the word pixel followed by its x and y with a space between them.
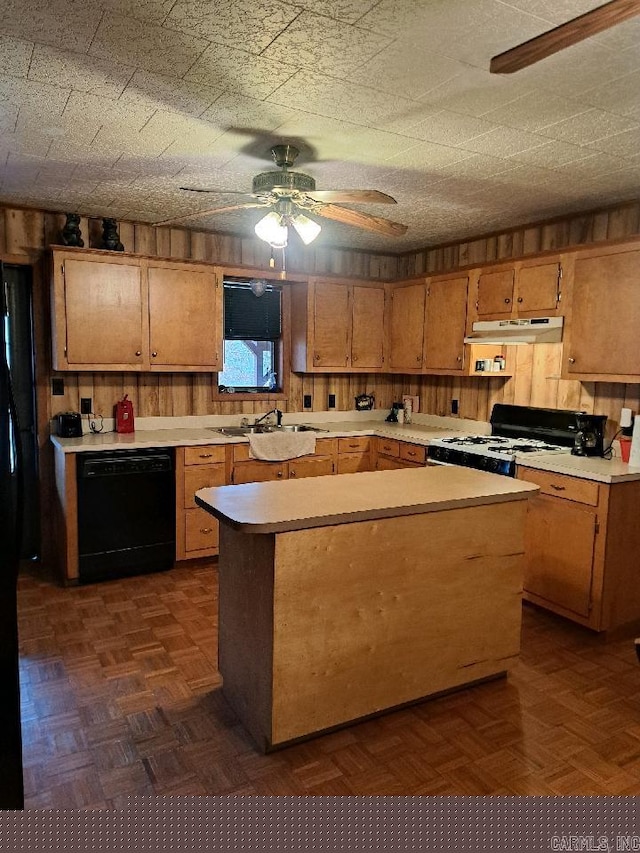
pixel 252 339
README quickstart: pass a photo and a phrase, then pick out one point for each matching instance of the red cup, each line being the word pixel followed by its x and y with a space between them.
pixel 625 448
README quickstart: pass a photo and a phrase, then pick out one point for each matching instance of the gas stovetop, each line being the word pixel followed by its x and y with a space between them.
pixel 500 444
pixel 494 453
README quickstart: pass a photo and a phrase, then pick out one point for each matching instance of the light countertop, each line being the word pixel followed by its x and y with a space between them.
pixel 193 431
pixel 274 507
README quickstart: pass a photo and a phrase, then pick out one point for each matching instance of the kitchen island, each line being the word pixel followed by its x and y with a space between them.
pixel 342 596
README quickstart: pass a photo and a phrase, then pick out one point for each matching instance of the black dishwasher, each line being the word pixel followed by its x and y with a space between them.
pixel 126 512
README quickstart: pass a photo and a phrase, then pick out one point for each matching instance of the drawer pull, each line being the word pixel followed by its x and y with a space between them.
pixel 205 455
pixel 558 488
pixel 206 530
pixel 411 453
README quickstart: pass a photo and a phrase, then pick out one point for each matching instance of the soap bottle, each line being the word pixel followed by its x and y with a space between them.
pixel 408 411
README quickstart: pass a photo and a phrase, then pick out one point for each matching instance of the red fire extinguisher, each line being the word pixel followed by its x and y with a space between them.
pixel 124 415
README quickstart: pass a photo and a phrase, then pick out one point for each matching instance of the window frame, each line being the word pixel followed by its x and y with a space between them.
pixel 284 354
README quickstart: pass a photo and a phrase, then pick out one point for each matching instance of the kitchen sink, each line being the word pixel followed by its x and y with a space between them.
pixel 262 428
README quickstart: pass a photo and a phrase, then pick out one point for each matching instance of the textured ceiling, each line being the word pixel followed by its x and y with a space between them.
pixel 107 107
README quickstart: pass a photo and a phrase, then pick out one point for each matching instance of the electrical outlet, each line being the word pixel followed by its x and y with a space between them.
pixel 332 401
pixel 85 405
pixel 454 407
pixel 306 401
pixel 57 386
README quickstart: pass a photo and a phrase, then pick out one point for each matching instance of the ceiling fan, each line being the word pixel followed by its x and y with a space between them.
pixel 574 31
pixel 288 196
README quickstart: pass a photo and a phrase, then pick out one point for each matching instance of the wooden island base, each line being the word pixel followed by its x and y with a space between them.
pixel 322 626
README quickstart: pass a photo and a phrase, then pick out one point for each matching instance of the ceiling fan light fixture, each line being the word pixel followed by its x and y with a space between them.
pixel 272 230
pixel 307 229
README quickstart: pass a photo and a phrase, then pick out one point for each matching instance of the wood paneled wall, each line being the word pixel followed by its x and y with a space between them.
pixel 25 235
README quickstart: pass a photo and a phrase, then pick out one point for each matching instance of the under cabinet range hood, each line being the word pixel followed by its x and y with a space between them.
pixel 534 330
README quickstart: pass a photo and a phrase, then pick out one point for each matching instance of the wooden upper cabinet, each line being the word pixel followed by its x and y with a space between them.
pixel 406 328
pixel 123 312
pixel 105 314
pixel 445 324
pixel 367 327
pixel 337 326
pixel 495 293
pixel 331 317
pixel 601 339
pixel 184 317
pixel 518 289
pixel 538 288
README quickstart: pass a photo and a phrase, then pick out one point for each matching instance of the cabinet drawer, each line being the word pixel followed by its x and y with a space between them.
pixel 389 447
pixel 201 530
pixel 359 444
pixel 201 477
pixel 204 455
pixel 413 453
pixel 561 486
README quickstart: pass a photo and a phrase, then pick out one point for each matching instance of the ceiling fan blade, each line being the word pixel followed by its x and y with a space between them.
pixel 220 192
pixel 209 212
pixel 361 220
pixel 565 35
pixel 352 196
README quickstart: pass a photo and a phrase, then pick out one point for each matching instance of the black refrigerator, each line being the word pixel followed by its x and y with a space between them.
pixel 15 305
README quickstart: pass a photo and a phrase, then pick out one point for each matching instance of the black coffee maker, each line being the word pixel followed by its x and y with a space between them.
pixel 589 440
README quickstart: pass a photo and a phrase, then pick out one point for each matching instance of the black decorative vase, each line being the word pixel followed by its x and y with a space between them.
pixel 71 235
pixel 110 237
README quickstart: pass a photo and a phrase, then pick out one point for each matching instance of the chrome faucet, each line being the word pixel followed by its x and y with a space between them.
pixel 275 412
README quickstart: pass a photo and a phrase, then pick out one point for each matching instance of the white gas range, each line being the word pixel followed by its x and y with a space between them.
pixel 518 432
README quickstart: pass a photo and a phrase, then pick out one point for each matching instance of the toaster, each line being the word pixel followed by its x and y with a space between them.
pixel 70 425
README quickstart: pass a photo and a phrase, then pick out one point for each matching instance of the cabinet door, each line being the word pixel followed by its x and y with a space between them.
pixel 353 463
pixel 104 314
pixel 495 293
pixel 199 477
pixel 538 289
pixel 331 325
pixel 185 327
pixel 407 327
pixel 446 320
pixel 605 316
pixel 259 472
pixel 367 311
pixel 312 466
pixel 559 548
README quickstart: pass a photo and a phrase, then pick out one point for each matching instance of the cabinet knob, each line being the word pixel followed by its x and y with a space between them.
pixel 572 361
pixel 354 357
pixel 459 358
pixel 316 357
pixel 520 299
pixel 138 352
pixel 279 473
pixel 154 354
pixel 418 358
pixel 292 473
pixel 507 301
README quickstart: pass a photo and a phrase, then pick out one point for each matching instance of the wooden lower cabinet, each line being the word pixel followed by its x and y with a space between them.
pixel 354 454
pixel 248 470
pixel 582 545
pixel 391 453
pixel 199 467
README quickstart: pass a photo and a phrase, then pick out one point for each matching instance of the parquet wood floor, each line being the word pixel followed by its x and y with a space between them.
pixel 121 697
